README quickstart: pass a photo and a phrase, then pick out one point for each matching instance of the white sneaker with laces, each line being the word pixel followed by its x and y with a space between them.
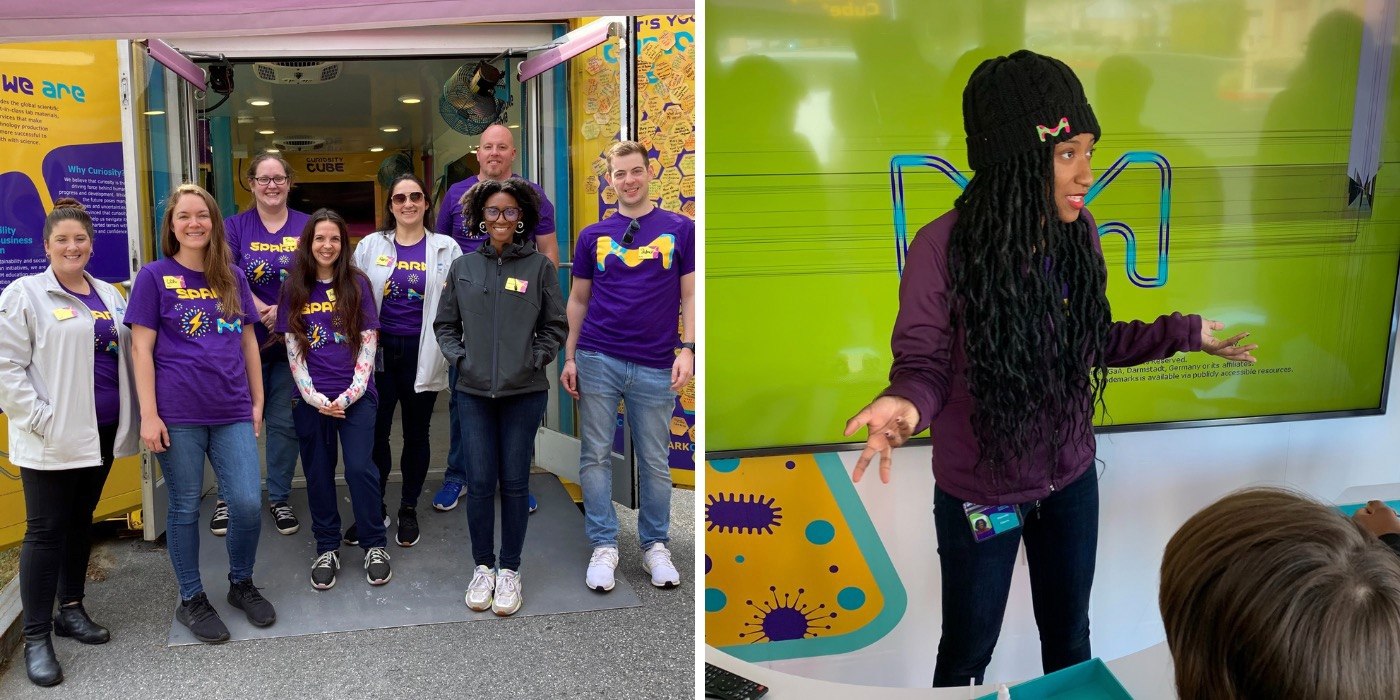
pixel 508 595
pixel 600 569
pixel 481 589
pixel 657 561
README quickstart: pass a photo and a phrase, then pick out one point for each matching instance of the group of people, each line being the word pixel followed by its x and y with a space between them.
pixel 267 321
pixel 1001 347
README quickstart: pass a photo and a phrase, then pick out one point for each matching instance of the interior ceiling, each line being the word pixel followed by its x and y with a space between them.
pixel 348 111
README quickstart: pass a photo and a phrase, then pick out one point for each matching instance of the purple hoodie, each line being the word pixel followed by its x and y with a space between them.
pixel 929 370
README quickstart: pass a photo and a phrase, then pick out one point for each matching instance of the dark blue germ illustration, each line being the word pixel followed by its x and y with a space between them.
pixel 742 512
pixel 790 618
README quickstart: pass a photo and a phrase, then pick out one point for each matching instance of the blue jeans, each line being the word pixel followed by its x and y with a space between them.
pixel 233 451
pixel 604 380
pixel 279 434
pixel 499 439
pixel 318 434
pixel 1062 534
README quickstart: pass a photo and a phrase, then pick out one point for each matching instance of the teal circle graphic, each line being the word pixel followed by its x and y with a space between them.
pixel 724 465
pixel 850 598
pixel 739 559
pixel 820 532
pixel 715 600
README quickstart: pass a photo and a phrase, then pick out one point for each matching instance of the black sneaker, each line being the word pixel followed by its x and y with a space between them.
pixel 287 523
pixel 219 523
pixel 245 596
pixel 323 570
pixel 202 620
pixel 377 570
pixel 352 535
pixel 408 526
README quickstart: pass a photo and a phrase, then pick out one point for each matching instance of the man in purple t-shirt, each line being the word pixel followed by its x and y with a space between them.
pixel 632 273
pixel 495 154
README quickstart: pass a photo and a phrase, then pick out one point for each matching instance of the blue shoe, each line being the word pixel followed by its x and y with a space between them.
pixel 534 505
pixel 447 496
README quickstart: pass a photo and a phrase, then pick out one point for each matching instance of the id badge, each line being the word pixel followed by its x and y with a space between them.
pixel 989 521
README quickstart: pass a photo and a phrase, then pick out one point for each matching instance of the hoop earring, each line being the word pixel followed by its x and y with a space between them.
pixel 520 227
pixel 481 227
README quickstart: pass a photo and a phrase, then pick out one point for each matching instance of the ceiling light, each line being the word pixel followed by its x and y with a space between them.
pixel 388 129
pixel 410 99
pixel 375 149
pixel 259 101
pixel 271 150
pixel 154 112
pixel 515 126
pixel 266 132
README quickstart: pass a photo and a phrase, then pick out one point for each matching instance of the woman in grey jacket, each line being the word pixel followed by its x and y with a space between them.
pixel 66 386
pixel 500 322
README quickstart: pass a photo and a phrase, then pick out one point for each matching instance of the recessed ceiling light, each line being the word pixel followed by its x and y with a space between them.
pixel 410 99
pixel 515 126
pixel 154 112
pixel 271 150
pixel 375 149
pixel 266 132
pixel 259 101
pixel 388 129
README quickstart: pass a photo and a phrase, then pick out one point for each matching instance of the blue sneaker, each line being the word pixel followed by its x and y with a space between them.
pixel 534 505
pixel 447 496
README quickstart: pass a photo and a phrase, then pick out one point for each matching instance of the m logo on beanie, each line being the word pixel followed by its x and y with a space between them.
pixel 1044 132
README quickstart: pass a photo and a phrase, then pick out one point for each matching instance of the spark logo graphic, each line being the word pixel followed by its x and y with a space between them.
pixel 226 327
pixel 261 273
pixel 194 323
pixel 663 247
pixel 315 336
pixel 901 164
pixel 102 315
pixel 1044 132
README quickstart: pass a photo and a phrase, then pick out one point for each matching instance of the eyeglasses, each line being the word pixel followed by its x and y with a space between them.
pixel 511 213
pixel 265 181
pixel 402 197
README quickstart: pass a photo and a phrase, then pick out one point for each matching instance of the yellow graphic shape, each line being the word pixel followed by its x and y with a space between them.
pixel 664 245
pixel 786 567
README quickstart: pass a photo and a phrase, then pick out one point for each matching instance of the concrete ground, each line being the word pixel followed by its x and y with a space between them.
pixel 646 652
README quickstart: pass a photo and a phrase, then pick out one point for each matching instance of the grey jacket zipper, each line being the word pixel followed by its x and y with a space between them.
pixel 496 328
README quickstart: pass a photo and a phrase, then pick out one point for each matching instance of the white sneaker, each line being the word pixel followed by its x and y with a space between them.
pixel 508 596
pixel 600 569
pixel 657 561
pixel 480 590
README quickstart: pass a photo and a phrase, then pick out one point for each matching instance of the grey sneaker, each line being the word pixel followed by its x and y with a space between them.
pixel 481 589
pixel 377 570
pixel 508 596
pixel 218 524
pixel 323 570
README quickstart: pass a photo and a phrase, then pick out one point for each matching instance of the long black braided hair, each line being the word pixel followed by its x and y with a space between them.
pixel 1029 298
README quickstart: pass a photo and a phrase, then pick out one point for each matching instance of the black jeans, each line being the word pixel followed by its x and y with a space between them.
pixel 1061 534
pixel 395 386
pixel 53 560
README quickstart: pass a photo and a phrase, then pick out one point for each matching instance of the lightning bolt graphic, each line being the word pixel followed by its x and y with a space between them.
pixel 196 321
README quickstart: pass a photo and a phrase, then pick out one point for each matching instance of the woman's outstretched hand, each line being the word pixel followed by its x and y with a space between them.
pixel 1230 348
pixel 890 421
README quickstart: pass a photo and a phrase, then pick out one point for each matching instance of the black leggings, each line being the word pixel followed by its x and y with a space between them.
pixel 54 558
pixel 395 386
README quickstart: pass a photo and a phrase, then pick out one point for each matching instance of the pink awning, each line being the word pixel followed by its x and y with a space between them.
pixel 28 20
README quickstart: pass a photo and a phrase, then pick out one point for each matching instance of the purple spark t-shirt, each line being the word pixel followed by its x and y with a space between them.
pixel 263 256
pixel 105 385
pixel 452 221
pixel 329 362
pixel 201 377
pixel 402 311
pixel 636 299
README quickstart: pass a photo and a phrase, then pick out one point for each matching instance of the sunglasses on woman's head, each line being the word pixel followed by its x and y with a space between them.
pixel 402 197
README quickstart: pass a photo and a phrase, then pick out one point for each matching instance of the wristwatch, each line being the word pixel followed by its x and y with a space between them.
pixel 686 346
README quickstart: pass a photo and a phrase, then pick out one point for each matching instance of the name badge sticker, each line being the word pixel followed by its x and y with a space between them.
pixel 384 261
pixel 515 285
pixel 330 295
pixel 64 313
pixel 174 281
pixel 290 241
pixel 646 252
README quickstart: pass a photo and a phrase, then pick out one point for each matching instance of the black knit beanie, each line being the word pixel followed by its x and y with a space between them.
pixel 1022 102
